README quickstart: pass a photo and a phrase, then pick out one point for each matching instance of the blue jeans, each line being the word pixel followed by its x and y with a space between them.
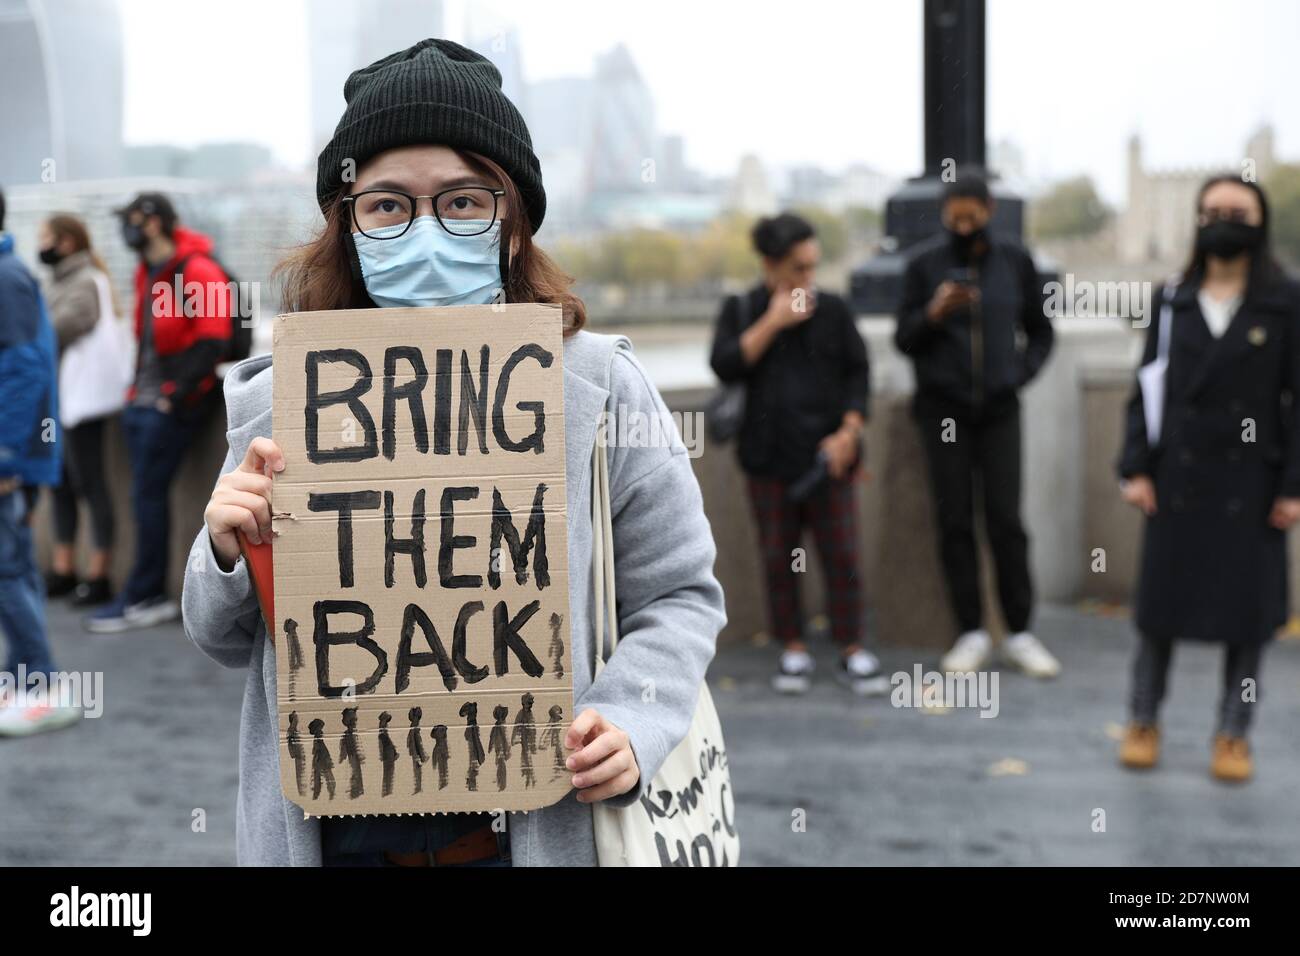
pixel 22 593
pixel 156 442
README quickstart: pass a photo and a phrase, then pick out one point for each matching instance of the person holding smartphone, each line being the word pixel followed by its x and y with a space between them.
pixel 969 297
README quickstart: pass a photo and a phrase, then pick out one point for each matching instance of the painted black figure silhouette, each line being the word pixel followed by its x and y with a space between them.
pixel 556 650
pixel 525 732
pixel 440 753
pixel 415 747
pixel 553 737
pixel 322 767
pixel 499 744
pixel 294 649
pixel 294 740
pixel 350 750
pixel 387 752
pixel 469 710
pixel 294 645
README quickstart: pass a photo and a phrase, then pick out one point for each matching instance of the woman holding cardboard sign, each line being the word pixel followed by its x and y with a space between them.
pixel 431 194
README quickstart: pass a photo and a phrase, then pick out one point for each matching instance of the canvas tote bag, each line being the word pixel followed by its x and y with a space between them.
pixel 95 370
pixel 687 814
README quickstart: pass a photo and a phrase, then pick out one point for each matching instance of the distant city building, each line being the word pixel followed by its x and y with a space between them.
pixel 500 44
pixel 558 111
pixel 1007 162
pixel 344 35
pixel 605 164
pixel 220 161
pixel 673 174
pixel 61 73
pixel 858 187
pixel 750 192
pixel 623 138
pixel 1158 222
pixel 807 186
pixel 863 187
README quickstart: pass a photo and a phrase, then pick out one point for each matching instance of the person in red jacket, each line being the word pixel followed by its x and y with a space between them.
pixel 182 322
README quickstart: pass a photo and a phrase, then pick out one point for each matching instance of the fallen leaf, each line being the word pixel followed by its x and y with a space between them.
pixel 1009 767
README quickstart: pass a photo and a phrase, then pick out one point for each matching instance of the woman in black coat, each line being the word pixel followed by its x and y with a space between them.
pixel 1221 484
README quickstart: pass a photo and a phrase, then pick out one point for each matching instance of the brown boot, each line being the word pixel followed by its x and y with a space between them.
pixel 1231 761
pixel 1140 748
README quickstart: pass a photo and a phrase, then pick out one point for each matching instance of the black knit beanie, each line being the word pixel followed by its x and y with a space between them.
pixel 434 92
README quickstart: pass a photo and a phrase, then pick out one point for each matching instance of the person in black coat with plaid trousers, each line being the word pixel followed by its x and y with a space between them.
pixel 1221 484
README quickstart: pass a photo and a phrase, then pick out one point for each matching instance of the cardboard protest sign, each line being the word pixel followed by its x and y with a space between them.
pixel 421 559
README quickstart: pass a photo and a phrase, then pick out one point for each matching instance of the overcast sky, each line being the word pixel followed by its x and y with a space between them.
pixel 822 81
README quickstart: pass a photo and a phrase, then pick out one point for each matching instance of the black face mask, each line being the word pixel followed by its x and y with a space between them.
pixel 1226 240
pixel 964 245
pixel 50 256
pixel 134 236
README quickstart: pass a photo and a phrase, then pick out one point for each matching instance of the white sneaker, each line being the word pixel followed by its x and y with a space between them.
pixel 861 672
pixel 795 674
pixel 1027 653
pixel 27 719
pixel 969 653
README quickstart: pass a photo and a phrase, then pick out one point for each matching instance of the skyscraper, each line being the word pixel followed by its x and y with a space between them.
pixel 61 73
pixel 623 125
pixel 500 44
pixel 345 35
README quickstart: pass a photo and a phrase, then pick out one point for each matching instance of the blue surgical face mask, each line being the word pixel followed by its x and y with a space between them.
pixel 428 266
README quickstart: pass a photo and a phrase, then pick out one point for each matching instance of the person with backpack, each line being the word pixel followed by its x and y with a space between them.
pixel 183 327
pixel 93 376
pixel 807 379
pixel 442 210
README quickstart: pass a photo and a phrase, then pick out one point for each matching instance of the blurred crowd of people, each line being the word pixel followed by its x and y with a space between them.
pixel 1211 436
pixel 68 367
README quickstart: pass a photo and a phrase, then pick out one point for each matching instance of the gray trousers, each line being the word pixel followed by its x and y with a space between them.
pixel 1238 701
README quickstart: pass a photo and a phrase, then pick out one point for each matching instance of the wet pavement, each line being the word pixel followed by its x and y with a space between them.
pixel 824 779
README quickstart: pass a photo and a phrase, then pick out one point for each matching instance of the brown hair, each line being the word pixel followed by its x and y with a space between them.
pixel 67 226
pixel 318 275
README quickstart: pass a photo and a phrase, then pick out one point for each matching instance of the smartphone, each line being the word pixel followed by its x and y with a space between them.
pixel 961 275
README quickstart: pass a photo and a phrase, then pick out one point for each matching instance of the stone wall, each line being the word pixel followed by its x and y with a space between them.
pixel 1072 414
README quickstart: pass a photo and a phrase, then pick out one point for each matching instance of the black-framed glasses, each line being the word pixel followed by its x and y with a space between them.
pixel 388 213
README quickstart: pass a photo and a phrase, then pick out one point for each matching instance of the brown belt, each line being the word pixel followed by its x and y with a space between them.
pixel 480 844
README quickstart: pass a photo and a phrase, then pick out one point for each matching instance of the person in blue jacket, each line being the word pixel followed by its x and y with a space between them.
pixel 29 458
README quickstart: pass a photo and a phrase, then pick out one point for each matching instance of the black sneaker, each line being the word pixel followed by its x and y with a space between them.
pixel 861 672
pixel 795 673
pixel 92 593
pixel 59 585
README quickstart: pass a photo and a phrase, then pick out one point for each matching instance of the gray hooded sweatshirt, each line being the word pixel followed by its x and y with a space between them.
pixel 670 608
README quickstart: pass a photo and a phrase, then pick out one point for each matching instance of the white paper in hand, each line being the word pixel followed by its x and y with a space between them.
pixel 1151 377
